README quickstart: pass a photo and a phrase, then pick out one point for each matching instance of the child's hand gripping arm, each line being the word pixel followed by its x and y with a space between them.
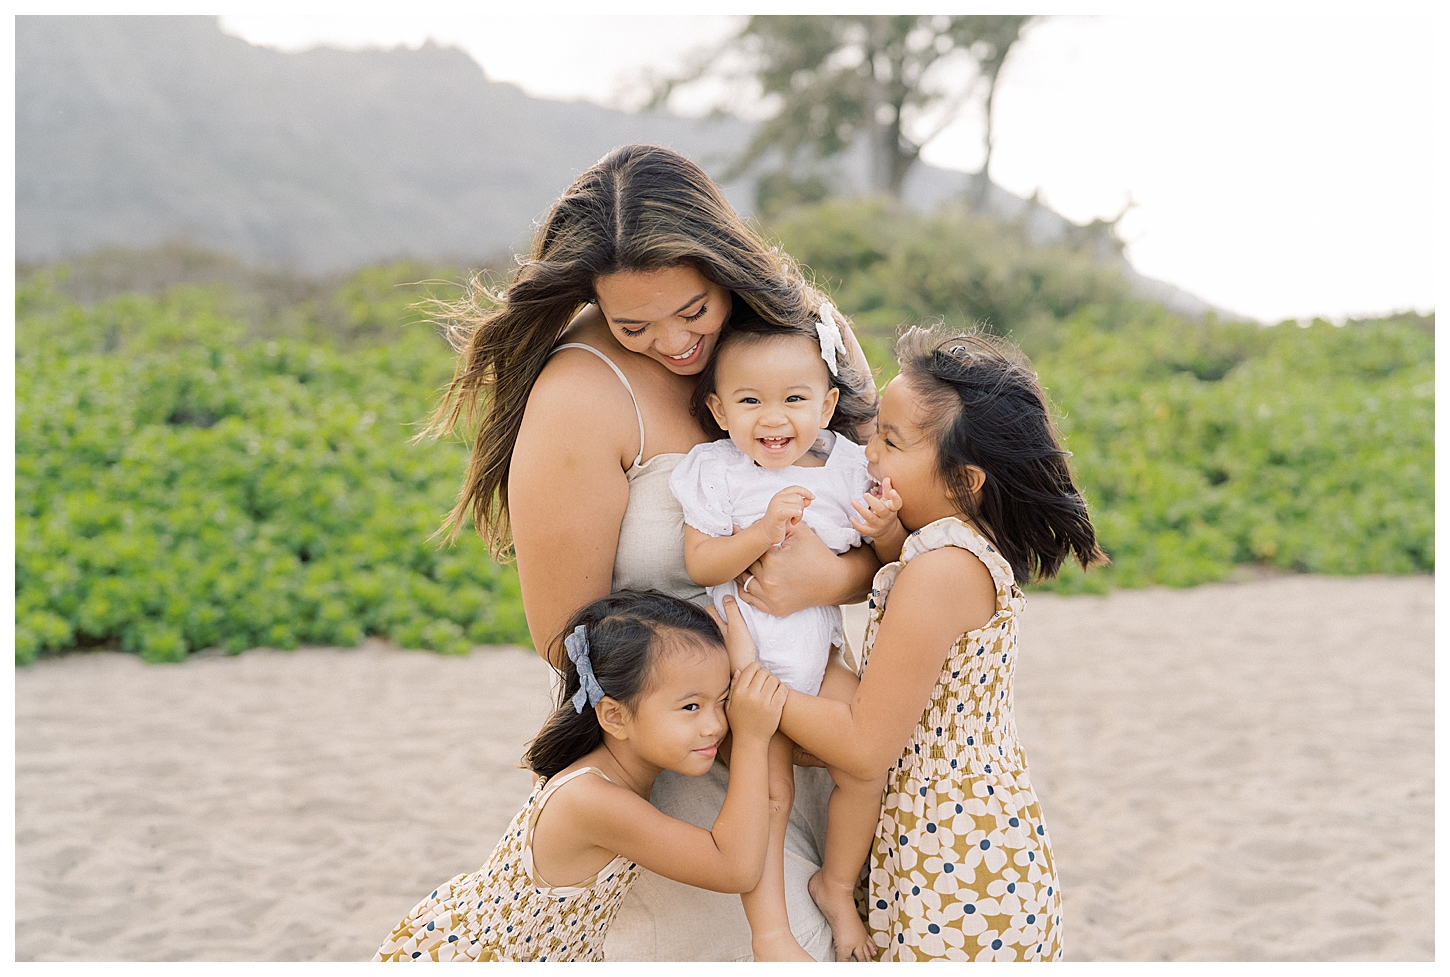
pixel 713 560
pixel 878 520
pixel 731 855
pixel 738 643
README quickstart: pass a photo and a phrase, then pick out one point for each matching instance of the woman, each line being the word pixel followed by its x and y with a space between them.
pixel 581 376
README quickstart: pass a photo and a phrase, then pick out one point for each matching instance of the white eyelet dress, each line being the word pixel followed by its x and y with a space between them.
pixel 504 911
pixel 961 867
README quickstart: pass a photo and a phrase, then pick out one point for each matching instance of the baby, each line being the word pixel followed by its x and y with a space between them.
pixel 782 394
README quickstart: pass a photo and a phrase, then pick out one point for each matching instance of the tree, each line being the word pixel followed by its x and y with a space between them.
pixel 838 79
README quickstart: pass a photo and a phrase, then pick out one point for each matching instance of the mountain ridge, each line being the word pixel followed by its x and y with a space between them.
pixel 134 131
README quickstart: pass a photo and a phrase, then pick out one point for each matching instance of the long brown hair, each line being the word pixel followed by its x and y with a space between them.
pixel 640 208
pixel 989 412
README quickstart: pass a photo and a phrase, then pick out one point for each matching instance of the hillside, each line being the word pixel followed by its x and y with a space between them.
pixel 137 130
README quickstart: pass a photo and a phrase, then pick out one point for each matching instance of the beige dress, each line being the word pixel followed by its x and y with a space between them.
pixel 504 911
pixel 961 866
pixel 664 920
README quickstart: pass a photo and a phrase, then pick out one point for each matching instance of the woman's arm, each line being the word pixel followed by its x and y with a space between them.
pixel 568 491
pixel 938 596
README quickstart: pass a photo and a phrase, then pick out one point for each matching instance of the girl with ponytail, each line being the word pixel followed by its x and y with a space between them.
pixel 647 688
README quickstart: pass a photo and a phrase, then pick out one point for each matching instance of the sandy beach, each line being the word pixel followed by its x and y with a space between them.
pixel 1235 771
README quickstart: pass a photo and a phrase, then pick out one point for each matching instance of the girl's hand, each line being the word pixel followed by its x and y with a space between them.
pixel 784 512
pixel 738 643
pixel 878 513
pixel 756 700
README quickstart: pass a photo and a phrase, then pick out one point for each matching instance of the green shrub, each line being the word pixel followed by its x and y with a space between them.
pixel 1313 451
pixel 186 478
pixel 179 488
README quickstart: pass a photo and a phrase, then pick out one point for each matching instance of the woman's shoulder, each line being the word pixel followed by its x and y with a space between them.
pixel 577 391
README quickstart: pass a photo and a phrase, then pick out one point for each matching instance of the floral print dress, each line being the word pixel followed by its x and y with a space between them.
pixel 504 911
pixel 961 867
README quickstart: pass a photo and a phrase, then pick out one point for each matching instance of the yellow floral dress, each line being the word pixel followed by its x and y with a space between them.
pixel 961 867
pixel 504 911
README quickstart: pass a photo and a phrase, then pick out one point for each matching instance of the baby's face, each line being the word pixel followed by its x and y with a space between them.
pixel 773 396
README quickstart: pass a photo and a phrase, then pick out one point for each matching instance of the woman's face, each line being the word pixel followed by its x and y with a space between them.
pixel 672 315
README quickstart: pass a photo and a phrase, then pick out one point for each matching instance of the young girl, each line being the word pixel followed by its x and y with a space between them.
pixel 773 389
pixel 960 867
pixel 645 690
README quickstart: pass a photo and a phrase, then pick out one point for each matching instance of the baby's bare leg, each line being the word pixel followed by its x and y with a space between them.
pixel 854 810
pixel 770 935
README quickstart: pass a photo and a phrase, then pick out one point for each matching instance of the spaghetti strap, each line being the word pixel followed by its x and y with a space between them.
pixel 561 781
pixel 622 379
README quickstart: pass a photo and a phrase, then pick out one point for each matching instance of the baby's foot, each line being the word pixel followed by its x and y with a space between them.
pixel 777 945
pixel 838 904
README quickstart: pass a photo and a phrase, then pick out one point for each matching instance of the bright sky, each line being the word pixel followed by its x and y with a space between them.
pixel 1280 165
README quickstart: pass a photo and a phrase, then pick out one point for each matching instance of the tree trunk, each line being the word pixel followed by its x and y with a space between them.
pixel 984 175
pixel 901 163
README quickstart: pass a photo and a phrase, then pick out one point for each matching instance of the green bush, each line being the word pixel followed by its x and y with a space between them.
pixel 188 478
pixel 1313 451
pixel 178 488
pixel 886 265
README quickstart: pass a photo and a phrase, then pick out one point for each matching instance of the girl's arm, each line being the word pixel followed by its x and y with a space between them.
pixel 568 491
pixel 938 596
pixel 731 855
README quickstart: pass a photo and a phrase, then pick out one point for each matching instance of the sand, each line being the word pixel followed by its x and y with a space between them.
pixel 1230 772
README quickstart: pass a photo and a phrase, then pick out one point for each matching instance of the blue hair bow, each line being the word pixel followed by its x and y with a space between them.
pixel 577 645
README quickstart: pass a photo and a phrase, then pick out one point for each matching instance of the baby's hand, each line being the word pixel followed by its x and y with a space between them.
pixel 878 513
pixel 785 510
pixel 756 700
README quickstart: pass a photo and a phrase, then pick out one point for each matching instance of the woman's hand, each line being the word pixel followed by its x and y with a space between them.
pixel 756 699
pixel 803 572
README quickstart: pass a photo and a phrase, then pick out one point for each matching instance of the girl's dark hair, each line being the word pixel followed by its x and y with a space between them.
pixel 625 632
pixel 989 411
pixel 640 208
pixel 855 407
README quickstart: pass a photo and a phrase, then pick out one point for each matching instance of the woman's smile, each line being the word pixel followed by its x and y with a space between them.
pixel 688 356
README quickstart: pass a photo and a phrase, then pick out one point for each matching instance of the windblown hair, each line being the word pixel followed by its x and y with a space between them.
pixel 855 407
pixel 640 208
pixel 990 412
pixel 626 632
